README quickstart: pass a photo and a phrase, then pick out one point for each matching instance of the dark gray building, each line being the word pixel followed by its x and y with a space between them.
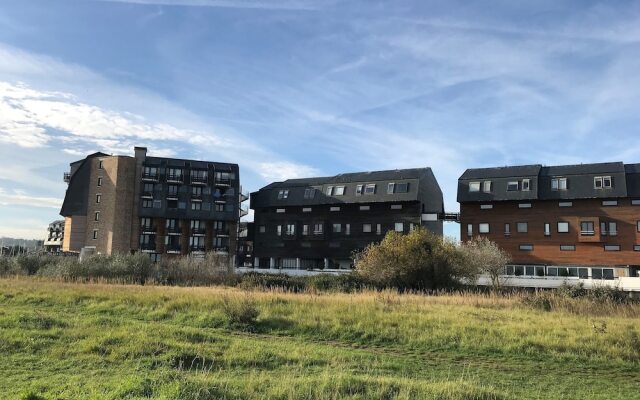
pixel 319 222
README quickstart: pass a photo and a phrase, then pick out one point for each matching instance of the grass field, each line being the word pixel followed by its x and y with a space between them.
pixel 94 341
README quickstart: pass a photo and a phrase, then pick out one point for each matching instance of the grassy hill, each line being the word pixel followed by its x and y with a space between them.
pixel 95 341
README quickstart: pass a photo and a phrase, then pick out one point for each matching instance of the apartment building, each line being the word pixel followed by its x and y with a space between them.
pixel 579 221
pixel 160 206
pixel 55 236
pixel 317 223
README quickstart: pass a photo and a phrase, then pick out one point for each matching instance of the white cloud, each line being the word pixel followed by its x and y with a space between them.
pixel 283 170
pixel 22 198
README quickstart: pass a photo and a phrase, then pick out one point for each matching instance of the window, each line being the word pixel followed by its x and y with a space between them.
pixel 486 186
pixel 483 228
pixel 613 228
pixel 565 204
pixel 524 205
pixel 365 208
pixel 522 227
pixel 291 230
pixel 378 229
pixel 474 186
pixel 150 172
pixel 637 226
pixel 148 188
pixel 196 191
pixel 318 229
pixel 526 185
pixel 607 182
pixel 262 229
pixel 334 209
pixel 280 210
pixel 98 198
pixel 559 184
pixel 602 273
pixel 337 228
pixel 636 247
pixel 370 188
pixel 390 187
pixel 174 174
pixel 347 229
pixel 567 247
pixel 563 227
pixel 547 229
pixel 172 204
pixel 96 216
pixel 366 228
pixel 635 202
pixel 305 230
pixel 399 227
pixel 329 191
pixel 609 203
pixel 512 186
pixel 402 187
pixel 507 229
pixel 95 234
pixel 339 191
pixel 306 209
pixel 218 207
pixel 469 229
pixel 309 193
pixel 99 181
pixel 145 223
pixel 283 194
pixel 100 165
pixel 358 190
pixel 586 228
pixel 396 206
pixel 611 247
pixel 526 247
pixel 486 206
pixel 602 182
pixel 146 203
pixel 172 190
pixel 196 205
pixel 279 230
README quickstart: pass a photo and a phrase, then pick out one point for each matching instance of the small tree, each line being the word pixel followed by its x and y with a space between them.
pixel 484 256
pixel 417 260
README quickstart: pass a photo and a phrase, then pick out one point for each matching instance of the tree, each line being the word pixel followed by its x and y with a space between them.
pixel 484 256
pixel 417 260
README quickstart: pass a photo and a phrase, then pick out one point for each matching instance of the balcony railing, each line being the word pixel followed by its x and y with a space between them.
pixel 66 177
pixel 148 228
pixel 221 232
pixel 173 249
pixel 173 178
pixel 148 195
pixel 196 197
pixel 587 233
pixel 221 249
pixel 198 231
pixel 200 180
pixel 174 230
pixel 150 177
pixel 223 182
pixel 148 247
pixel 244 211
pixel 197 247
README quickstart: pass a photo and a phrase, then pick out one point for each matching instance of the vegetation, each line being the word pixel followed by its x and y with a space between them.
pixel 481 255
pixel 98 341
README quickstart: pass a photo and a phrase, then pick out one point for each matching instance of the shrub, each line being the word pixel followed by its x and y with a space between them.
pixel 240 313
pixel 348 282
pixel 255 280
pixel 572 291
pixel 483 255
pixel 539 301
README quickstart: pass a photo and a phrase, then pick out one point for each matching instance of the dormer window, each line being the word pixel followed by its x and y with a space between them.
pixel 512 186
pixel 370 188
pixel 329 191
pixel 526 185
pixel 309 193
pixel 339 191
pixel 474 186
pixel 559 184
pixel 602 182
pixel 486 186
pixel 402 187
pixel 359 190
pixel 283 194
pixel 391 187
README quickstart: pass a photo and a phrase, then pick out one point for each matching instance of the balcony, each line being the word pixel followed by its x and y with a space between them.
pixel 198 231
pixel 222 249
pixel 174 231
pixel 199 180
pixel 197 248
pixel 66 177
pixel 148 247
pixel 148 229
pixel 221 232
pixel 147 195
pixel 173 249
pixel 172 196
pixel 196 197
pixel 150 177
pixel 244 210
pixel 223 182
pixel 175 178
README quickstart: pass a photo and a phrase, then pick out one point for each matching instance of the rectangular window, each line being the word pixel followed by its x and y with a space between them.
pixel 96 216
pixel 469 229
pixel 358 190
pixel 635 202
pixel 483 228
pixel 559 184
pixel 507 229
pixel 280 210
pixel 370 188
pixel 365 208
pixel 196 205
pixel 305 230
pixel 567 247
pixel 329 191
pixel 337 228
pixel 637 226
pixel 95 234
pixel 174 174
pixel 474 186
pixel 147 203
pixel 262 229
pixel 366 228
pixel 609 203
pixel 306 209
pixel 526 184
pixel 309 193
pixel 334 209
pixel 399 227
pixel 347 229
pixel 526 247
pixel 607 182
pixel 547 229
pixel 524 205
pixel 613 228
pixel 402 187
pixel 98 198
pixel 148 188
pixel 219 207
pixel 396 206
pixel 390 187
pixel 279 230
pixel 565 204
pixel 283 194
pixel 291 229
pixel 339 191
pixel 522 227
pixel 512 186
pixel 100 165
pixel 587 228
pixel 196 191
pixel 636 247
pixel 486 206
pixel 379 229
pixel 597 182
pixel 318 229
pixel 611 247
pixel 172 190
pixel 563 227
pixel 99 181
pixel 486 186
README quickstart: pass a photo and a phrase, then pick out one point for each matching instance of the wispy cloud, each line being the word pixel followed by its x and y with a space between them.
pixel 24 199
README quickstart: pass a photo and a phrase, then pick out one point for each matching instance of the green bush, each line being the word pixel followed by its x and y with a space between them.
pixel 572 291
pixel 348 282
pixel 255 280
pixel 241 313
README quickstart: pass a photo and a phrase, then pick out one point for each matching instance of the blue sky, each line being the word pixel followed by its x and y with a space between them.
pixel 296 88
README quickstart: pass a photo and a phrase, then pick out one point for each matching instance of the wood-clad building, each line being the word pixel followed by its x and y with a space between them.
pixel 573 220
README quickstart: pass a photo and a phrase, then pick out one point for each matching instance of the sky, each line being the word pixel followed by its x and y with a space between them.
pixel 299 88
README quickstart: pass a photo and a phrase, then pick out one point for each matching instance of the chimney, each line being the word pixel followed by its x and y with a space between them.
pixel 140 153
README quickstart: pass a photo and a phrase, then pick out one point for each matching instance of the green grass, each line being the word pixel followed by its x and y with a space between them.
pixel 95 341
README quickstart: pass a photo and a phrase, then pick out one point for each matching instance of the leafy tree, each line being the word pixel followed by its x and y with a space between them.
pixel 484 256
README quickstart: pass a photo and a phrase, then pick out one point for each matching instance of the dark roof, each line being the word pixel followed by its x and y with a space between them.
pixel 632 168
pixel 583 169
pixel 372 176
pixel 501 172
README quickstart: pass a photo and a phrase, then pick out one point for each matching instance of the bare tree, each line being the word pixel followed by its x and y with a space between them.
pixel 484 256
